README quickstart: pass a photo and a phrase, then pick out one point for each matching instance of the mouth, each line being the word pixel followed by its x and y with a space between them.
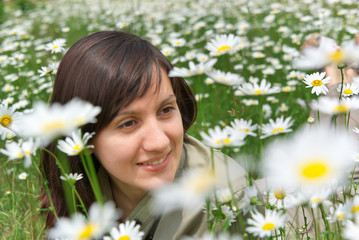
pixel 154 162
pixel 156 165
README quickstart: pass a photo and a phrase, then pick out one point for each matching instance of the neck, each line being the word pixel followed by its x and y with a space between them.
pixel 126 200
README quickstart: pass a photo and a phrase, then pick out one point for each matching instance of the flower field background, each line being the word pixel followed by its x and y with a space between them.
pixel 252 84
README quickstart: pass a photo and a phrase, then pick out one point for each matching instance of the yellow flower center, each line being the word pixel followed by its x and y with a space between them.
pixel 314 170
pixel 201 182
pixel 20 155
pixel 277 130
pixel 178 43
pixel 348 91
pixel 268 226
pixel 355 209
pixel 80 120
pixel 5 120
pixel 316 200
pixel 27 152
pixel 54 47
pixel 341 216
pixel 341 108
pixel 280 193
pixel 227 141
pixel 224 48
pixel 123 24
pixel 51 126
pixel 336 57
pixel 258 92
pixel 77 149
pixel 88 231
pixel 317 83
pixel 124 238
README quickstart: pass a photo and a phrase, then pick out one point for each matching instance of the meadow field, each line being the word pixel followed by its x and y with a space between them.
pixel 257 101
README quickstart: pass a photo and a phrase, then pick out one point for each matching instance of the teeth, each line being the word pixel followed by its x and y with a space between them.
pixel 155 162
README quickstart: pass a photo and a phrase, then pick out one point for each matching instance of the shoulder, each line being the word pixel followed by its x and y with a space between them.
pixel 227 170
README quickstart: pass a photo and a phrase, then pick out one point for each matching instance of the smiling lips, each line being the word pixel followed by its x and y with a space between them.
pixel 155 165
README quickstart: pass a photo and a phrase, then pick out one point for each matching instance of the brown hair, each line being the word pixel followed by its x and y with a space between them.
pixel 109 69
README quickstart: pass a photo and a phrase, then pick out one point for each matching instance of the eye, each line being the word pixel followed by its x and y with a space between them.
pixel 167 110
pixel 127 124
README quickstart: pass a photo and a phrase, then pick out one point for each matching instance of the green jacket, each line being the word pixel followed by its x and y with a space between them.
pixel 184 222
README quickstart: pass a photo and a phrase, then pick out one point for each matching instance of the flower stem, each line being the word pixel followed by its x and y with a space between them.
pixel 342 82
pixel 324 217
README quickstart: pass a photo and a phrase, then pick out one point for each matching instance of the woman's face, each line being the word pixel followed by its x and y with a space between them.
pixel 142 145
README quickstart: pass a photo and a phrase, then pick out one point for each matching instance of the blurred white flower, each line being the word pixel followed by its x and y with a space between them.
pixel 126 231
pixel 326 53
pixel 76 144
pixel 23 176
pixel 250 201
pixel 189 191
pixel 317 81
pixel 349 89
pixel 351 231
pixel 50 122
pixel 320 197
pixel 263 88
pixel 100 220
pixel 264 226
pixel 72 177
pixel 225 78
pixel 56 46
pixel 310 160
pixel 241 125
pixel 9 121
pixel 50 69
pixel 218 138
pixel 277 126
pixel 334 106
pixel 222 44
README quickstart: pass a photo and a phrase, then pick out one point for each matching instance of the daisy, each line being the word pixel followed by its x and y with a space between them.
pixel 225 78
pixel 178 42
pixel 282 198
pixel 317 81
pixel 50 122
pixel 320 197
pixel 264 226
pixel 76 144
pixel 225 214
pixel 333 106
pixel 12 150
pixel 351 231
pixel 348 89
pixel 222 44
pixel 100 220
pixel 189 191
pixel 242 125
pixel 250 200
pixel 218 138
pixel 221 236
pixel 310 160
pixel 29 147
pixel 9 121
pixel 337 213
pixel 48 70
pixel 277 126
pixel 56 46
pixel 326 53
pixel 224 195
pixel 72 177
pixel 23 176
pixel 263 88
pixel 128 230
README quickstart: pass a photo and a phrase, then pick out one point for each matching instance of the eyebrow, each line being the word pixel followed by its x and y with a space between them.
pixel 161 103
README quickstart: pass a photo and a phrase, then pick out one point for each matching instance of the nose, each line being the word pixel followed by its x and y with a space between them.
pixel 155 138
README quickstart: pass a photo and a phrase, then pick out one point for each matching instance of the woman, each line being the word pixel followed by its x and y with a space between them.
pixel 140 140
